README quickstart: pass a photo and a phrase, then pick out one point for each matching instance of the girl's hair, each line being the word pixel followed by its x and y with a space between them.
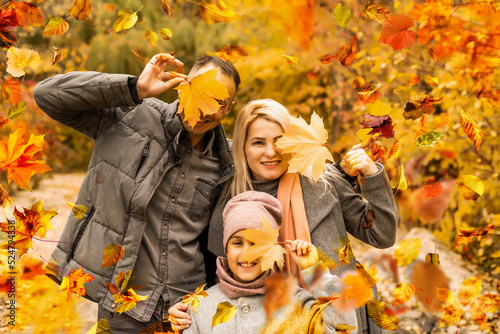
pixel 267 109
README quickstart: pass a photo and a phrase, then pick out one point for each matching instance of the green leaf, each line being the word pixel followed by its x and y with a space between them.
pixel 225 312
pixel 428 139
pixel 56 26
pixel 342 14
pixel 16 110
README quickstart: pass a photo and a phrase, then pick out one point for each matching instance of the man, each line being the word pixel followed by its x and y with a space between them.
pixel 149 185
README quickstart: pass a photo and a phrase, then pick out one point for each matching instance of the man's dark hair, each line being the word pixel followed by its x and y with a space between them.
pixel 226 67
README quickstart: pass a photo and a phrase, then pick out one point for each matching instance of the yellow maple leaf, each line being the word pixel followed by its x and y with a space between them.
pixel 265 246
pixel 193 299
pixel 74 283
pixel 361 284
pixel 306 146
pixel 128 301
pixel 19 59
pixel 30 222
pixel 17 158
pixel 201 95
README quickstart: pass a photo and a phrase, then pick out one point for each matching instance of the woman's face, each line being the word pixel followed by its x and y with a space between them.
pixel 243 271
pixel 263 157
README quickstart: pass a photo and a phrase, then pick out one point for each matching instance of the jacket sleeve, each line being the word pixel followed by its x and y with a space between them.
pixel 373 219
pixel 89 102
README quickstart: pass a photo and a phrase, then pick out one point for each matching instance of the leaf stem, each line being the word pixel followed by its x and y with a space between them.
pixel 148 308
pixel 186 283
pixel 62 242
pixel 54 266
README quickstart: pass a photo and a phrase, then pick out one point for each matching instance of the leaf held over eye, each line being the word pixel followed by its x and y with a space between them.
pixel 216 11
pixel 342 14
pixel 112 254
pixel 202 94
pixel 193 299
pixel 74 283
pixel 395 32
pixel 407 251
pixel 225 312
pixel 306 145
pixel 232 53
pixel 467 235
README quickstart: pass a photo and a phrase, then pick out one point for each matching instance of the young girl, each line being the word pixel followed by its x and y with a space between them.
pixel 242 283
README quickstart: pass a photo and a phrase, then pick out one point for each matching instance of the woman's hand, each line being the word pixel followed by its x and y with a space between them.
pixel 154 80
pixel 356 160
pixel 179 316
pixel 303 253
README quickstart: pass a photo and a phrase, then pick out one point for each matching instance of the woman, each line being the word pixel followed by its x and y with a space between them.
pixel 321 212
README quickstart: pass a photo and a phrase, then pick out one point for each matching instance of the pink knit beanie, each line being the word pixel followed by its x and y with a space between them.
pixel 245 211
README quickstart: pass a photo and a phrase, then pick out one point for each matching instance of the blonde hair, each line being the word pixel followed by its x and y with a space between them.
pixel 267 109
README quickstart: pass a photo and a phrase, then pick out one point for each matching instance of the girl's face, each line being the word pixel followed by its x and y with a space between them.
pixel 263 157
pixel 243 271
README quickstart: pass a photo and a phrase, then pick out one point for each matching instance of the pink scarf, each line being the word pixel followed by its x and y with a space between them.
pixel 234 289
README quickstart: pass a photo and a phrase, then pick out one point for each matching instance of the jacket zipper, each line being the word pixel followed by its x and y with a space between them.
pixel 80 231
pixel 145 153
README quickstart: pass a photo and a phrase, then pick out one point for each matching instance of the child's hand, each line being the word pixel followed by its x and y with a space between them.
pixel 179 316
pixel 303 253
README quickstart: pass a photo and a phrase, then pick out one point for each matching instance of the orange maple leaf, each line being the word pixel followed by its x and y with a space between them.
pixel 472 130
pixel 30 222
pixel 439 26
pixel 395 32
pixel 361 284
pixel 200 96
pixel 264 245
pixel 17 157
pixel 74 283
pixel 128 300
pixel 306 146
pixel 193 299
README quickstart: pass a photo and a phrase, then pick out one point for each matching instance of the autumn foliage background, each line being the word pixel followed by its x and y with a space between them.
pixel 455 57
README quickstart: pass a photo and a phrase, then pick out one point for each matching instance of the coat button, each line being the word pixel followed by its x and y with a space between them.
pixel 245 308
pixel 177 159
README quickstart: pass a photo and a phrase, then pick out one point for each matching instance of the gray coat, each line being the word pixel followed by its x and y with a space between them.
pixel 122 174
pixel 332 210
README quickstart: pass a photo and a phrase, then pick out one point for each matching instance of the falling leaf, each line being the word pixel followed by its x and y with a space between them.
pixel 325 59
pixel 8 20
pixel 313 75
pixel 376 11
pixel 193 299
pixel 166 7
pixel 5 199
pixel 467 235
pixel 165 33
pixel 112 254
pixel 428 139
pixel 232 53
pixel 368 93
pixel 201 94
pixel 344 253
pixel 413 80
pixel 431 79
pixel 403 293
pixel 342 14
pixel 16 110
pixel 225 312
pixel 399 181
pixel 432 188
pixel 472 130
pixel 394 151
pixel 382 315
pixel 468 290
pixel 395 32
pixel 126 20
pixel 151 37
pixel 348 52
pixel 215 11
pixel 471 187
pixel 80 9
pixel 74 283
pixel 433 258
pixel 419 105
pixel 407 251
pixel 344 328
pixel 485 303
pixel 452 311
pixel 381 125
pixel 56 27
pixel 19 59
pixel 101 327
pixel 292 61
pixel 441 120
pixel 110 7
pixel 28 15
pixel 264 245
pixel 360 286
pixel 128 301
pixel 280 289
pixel 56 56
pixel 11 90
pixel 78 210
pixel 3 121
pixel 306 145
pixel 17 157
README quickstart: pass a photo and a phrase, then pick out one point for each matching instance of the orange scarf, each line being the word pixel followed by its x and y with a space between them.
pixel 294 224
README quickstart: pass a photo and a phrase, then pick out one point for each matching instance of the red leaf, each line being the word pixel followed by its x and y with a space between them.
pixel 395 32
pixel 8 20
pixel 11 90
pixel 348 52
pixel 325 59
pixel 313 75
pixel 28 15
pixel 380 124
pixel 431 188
